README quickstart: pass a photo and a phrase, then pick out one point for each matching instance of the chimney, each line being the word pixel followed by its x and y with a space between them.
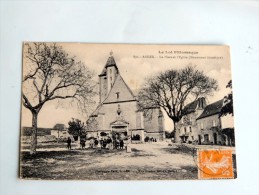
pixel 201 103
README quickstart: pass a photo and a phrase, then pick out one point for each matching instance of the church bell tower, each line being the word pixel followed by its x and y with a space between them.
pixel 107 77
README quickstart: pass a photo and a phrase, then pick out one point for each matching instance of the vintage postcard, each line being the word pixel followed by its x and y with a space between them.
pixel 126 112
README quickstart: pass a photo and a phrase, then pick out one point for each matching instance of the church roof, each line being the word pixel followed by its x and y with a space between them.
pixel 110 62
pixel 211 109
pixel 119 92
pixel 96 111
pixel 125 93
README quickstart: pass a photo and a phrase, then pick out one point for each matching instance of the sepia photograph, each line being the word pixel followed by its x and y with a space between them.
pixel 126 112
pixel 129 97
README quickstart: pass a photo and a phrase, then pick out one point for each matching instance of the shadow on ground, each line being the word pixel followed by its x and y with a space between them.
pixel 181 149
pixel 79 165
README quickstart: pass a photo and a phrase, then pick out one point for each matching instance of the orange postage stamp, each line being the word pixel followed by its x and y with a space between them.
pixel 215 164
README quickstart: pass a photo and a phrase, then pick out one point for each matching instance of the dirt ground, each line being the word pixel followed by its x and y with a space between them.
pixel 149 161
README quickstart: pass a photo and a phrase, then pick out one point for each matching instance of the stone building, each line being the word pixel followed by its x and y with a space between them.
pixel 201 123
pixel 59 131
pixel 209 125
pixel 188 128
pixel 118 111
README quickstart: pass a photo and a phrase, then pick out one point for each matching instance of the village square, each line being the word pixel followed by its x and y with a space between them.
pixel 124 137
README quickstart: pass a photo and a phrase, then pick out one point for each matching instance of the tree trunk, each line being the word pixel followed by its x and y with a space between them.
pixel 176 133
pixel 34 132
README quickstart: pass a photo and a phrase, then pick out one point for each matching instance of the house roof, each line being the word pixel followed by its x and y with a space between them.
pixel 191 107
pixel 211 109
pixel 59 126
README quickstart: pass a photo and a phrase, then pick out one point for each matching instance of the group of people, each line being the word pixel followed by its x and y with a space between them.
pixel 119 144
pixel 102 143
pixel 150 139
pixel 82 143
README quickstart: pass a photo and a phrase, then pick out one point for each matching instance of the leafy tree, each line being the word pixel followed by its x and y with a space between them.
pixel 227 107
pixel 76 128
pixel 171 89
pixel 49 74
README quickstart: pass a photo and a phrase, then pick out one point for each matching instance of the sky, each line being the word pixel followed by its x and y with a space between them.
pixel 135 63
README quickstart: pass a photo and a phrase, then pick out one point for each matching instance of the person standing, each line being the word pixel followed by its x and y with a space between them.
pixel 122 144
pixel 69 143
pixel 91 143
pixel 95 143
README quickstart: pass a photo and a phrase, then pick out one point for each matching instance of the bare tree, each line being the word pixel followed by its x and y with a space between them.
pixel 49 74
pixel 171 89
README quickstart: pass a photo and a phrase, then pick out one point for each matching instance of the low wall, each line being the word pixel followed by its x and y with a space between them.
pixel 40 139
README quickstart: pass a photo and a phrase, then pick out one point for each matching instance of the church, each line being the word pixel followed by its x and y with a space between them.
pixel 118 110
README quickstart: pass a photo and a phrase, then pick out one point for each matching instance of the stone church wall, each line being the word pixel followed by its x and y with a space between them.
pixel 128 112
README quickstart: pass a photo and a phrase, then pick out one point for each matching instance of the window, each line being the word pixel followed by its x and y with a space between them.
pixel 190 129
pixel 184 129
pixel 214 123
pixel 201 126
pixel 117 95
pixel 110 71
